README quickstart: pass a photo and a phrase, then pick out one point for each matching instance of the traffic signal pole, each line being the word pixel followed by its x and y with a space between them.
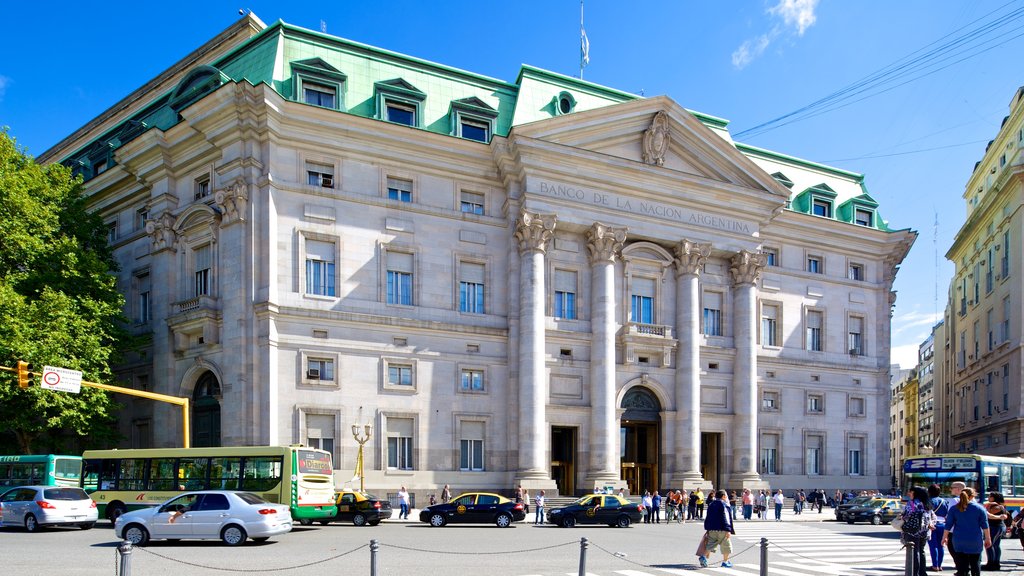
pixel 23 375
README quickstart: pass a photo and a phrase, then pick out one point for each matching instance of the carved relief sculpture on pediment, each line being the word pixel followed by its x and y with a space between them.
pixel 691 256
pixel 161 232
pixel 232 202
pixel 604 242
pixel 747 266
pixel 533 231
pixel 656 139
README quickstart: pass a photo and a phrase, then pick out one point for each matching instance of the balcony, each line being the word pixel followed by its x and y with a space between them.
pixel 195 322
pixel 653 342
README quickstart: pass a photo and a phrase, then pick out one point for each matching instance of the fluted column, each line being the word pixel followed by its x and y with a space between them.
pixel 603 245
pixel 690 259
pixel 746 266
pixel 533 231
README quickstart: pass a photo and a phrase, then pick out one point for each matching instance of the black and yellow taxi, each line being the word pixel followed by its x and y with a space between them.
pixel 361 509
pixel 597 509
pixel 876 510
pixel 474 508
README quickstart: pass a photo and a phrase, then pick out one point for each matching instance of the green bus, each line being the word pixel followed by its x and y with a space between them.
pixel 40 470
pixel 123 480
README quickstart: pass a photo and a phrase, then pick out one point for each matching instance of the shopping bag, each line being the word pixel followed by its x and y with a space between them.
pixel 702 548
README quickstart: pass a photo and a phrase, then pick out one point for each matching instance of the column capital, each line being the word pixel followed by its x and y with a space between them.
pixel 691 256
pixel 161 233
pixel 232 202
pixel 604 242
pixel 746 267
pixel 533 231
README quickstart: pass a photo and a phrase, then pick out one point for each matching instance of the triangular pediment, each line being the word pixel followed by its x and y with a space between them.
pixel 658 133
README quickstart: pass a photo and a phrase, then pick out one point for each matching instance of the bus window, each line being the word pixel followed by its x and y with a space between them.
pixel 133 474
pixel 224 473
pixel 261 474
pixel 1006 479
pixel 1018 480
pixel 161 474
pixel 67 469
pixel 108 474
pixel 991 484
pixel 192 473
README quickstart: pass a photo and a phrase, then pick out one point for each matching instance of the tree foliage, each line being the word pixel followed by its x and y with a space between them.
pixel 59 305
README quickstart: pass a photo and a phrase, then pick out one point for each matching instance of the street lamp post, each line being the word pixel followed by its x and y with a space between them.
pixel 361 439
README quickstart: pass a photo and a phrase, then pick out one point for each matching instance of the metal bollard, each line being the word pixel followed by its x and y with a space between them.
pixel 908 569
pixel 374 547
pixel 764 557
pixel 583 556
pixel 124 551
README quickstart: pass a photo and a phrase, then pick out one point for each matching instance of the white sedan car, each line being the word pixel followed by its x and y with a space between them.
pixel 206 514
pixel 34 507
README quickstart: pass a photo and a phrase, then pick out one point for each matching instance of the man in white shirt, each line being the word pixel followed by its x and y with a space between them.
pixel 403 497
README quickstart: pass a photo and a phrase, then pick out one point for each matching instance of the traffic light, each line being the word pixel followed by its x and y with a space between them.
pixel 22 374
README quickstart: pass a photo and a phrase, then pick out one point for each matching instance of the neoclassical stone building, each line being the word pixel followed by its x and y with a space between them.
pixel 543 281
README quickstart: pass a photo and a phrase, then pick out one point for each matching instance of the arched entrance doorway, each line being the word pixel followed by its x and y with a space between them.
pixel 206 411
pixel 639 438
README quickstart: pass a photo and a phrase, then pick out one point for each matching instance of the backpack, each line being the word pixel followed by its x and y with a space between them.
pixel 915 522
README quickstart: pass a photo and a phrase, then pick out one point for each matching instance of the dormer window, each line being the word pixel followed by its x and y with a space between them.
pixel 822 207
pixel 863 217
pixel 564 103
pixel 399 102
pixel 318 83
pixel 782 179
pixel 318 95
pixel 473 119
pixel 401 113
pixel 474 130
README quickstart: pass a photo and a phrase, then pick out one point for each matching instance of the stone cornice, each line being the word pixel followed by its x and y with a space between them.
pixel 604 242
pixel 746 267
pixel 533 231
pixel 690 257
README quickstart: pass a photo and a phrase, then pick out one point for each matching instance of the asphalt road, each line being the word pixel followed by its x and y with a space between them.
pixel 414 549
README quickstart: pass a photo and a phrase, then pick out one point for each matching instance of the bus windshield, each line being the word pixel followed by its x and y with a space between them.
pixel 943 479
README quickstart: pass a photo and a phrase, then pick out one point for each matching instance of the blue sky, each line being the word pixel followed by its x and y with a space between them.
pixel 749 61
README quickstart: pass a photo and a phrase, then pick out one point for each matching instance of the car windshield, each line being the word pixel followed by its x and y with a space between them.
pixel 876 503
pixel 860 500
pixel 65 494
pixel 250 498
pixel 584 501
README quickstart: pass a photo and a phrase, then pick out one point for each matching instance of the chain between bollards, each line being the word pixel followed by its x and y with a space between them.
pixel 124 551
pixel 583 556
pixel 374 547
pixel 764 557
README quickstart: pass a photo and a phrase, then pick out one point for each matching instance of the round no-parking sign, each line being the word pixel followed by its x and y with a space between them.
pixel 61 379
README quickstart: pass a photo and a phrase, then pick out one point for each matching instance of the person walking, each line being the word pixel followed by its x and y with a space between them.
pixel 691 505
pixel 762 505
pixel 940 507
pixel 538 505
pixel 997 515
pixel 648 507
pixel 446 494
pixel 526 501
pixel 748 504
pixel 718 525
pixel 700 503
pixel 967 529
pixel 917 520
pixel 779 501
pixel 656 506
pixel 403 501
pixel 732 503
pixel 955 488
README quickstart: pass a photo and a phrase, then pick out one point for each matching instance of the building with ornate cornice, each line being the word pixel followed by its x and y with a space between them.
pixel 983 316
pixel 546 281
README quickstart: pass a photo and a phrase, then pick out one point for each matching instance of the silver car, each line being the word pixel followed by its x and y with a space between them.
pixel 206 514
pixel 34 507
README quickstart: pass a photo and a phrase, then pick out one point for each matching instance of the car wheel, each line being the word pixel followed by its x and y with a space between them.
pixel 503 520
pixel 305 521
pixel 876 520
pixel 568 522
pixel 261 539
pixel 622 522
pixel 31 524
pixel 87 525
pixel 373 522
pixel 232 535
pixel 114 511
pixel 322 523
pixel 437 520
pixel 136 534
pixel 359 520
pixel 849 521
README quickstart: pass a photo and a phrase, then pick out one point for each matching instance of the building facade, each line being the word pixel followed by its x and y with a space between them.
pixel 983 318
pixel 545 282
pixel 926 395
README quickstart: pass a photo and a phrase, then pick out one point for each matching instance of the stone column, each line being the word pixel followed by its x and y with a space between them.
pixel 690 259
pixel 746 266
pixel 533 231
pixel 603 244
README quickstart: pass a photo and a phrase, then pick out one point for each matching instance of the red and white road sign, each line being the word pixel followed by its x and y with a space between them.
pixel 61 379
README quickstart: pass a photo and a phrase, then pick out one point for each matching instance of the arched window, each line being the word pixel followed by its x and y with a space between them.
pixel 206 411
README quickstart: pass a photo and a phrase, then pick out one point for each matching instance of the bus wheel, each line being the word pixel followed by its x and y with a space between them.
pixel 114 511
pixel 305 521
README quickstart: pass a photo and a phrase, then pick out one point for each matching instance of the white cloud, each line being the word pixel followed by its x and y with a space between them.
pixel 4 82
pixel 914 319
pixel 905 356
pixel 796 15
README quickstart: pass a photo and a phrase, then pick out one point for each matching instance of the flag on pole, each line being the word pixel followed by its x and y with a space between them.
pixel 584 48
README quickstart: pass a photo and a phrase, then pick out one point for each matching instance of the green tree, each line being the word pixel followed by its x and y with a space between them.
pixel 59 305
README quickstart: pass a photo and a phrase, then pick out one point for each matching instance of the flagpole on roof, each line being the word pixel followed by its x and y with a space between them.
pixel 584 44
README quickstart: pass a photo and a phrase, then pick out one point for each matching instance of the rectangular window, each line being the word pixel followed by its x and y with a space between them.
pixel 471 446
pixel 1006 387
pixel 963 296
pixel 977 283
pixel 318 94
pixel 856 336
pixel 770 454
pixel 962 351
pixel 990 266
pixel 822 208
pixel 856 272
pixel 814 265
pixel 471 202
pixel 565 294
pixel 400 443
pixel 141 217
pixel 201 188
pixel 814 329
pixel 990 329
pixel 471 288
pixel 771 256
pixel 144 303
pixel 320 369
pixel 1005 262
pixel 321 175
pixel 770 401
pixel 1004 329
pixel 400 374
pixel 713 313
pixel 112 232
pixel 472 381
pixel 642 300
pixel 474 129
pixel 815 403
pixel 854 460
pixel 399 278
pixel 813 454
pixel 863 217
pixel 400 190
pixel 977 340
pixel 202 258
pixel 320 268
pixel 320 432
pixel 769 325
pixel 856 406
pixel 400 113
